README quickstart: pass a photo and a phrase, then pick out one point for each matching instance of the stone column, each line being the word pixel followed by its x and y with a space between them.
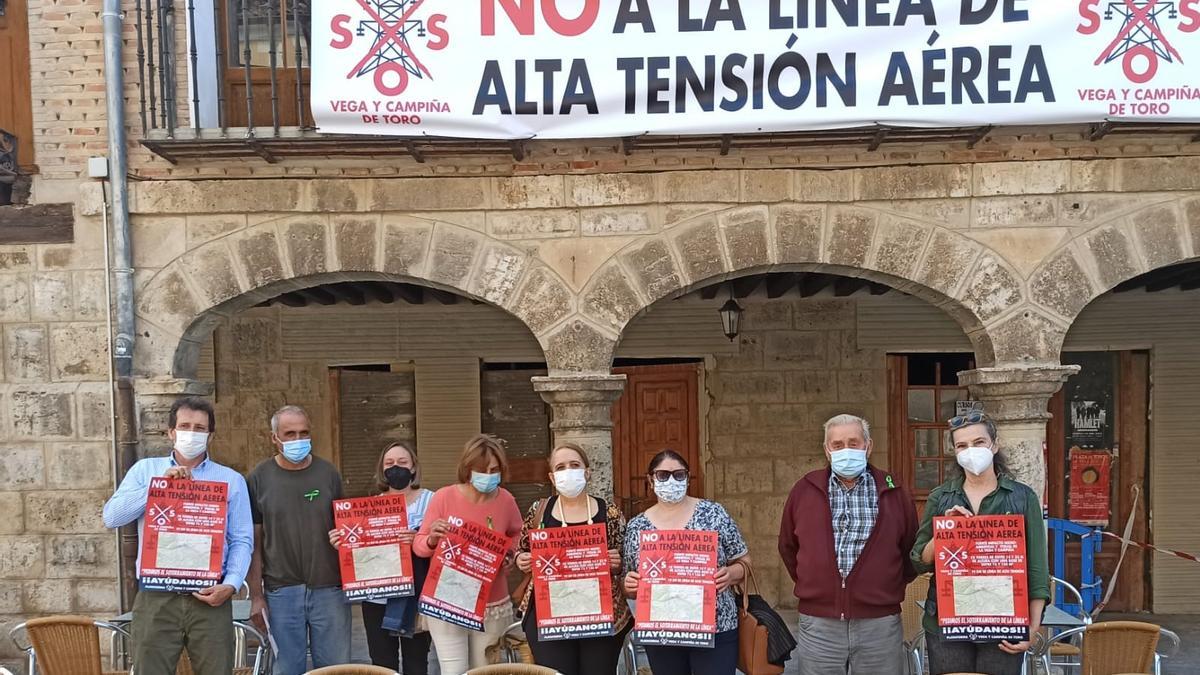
pixel 1017 398
pixel 582 406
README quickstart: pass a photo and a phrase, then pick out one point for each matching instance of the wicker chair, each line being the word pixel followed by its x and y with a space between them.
pixel 910 616
pixel 1117 647
pixel 64 645
pixel 352 669
pixel 513 669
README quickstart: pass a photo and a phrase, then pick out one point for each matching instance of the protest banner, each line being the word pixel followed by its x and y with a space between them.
pixel 1090 498
pixel 466 561
pixel 375 563
pixel 981 577
pixel 572 582
pixel 520 69
pixel 183 539
pixel 676 597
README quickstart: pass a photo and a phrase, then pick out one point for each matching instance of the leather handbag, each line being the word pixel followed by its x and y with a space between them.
pixel 753 636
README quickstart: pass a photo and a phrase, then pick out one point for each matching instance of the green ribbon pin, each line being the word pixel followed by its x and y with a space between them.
pixel 890 482
pixel 312 494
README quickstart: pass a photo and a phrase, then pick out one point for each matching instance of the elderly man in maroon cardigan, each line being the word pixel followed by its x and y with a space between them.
pixel 845 538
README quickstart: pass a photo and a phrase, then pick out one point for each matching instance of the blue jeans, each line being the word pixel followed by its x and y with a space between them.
pixel 302 618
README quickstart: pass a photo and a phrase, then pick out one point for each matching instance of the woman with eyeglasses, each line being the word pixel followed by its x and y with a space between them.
pixel 982 486
pixel 570 505
pixel 668 476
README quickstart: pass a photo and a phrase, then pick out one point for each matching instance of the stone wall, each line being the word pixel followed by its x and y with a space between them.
pixel 797 365
pixel 55 454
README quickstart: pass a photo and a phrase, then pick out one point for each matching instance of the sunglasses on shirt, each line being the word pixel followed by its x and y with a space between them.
pixel 662 476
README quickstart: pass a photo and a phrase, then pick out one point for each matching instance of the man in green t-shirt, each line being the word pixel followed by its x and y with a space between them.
pixel 295 583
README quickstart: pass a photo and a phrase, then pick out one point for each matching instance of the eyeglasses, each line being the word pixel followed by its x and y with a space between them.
pixel 964 420
pixel 662 476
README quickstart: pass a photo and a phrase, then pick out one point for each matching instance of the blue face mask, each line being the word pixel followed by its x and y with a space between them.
pixel 848 463
pixel 296 451
pixel 485 482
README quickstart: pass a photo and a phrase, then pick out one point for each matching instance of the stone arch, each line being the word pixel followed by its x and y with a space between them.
pixel 182 302
pixel 1137 234
pixel 963 277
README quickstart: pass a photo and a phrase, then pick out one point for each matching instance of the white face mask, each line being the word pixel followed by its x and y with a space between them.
pixel 570 482
pixel 670 490
pixel 191 444
pixel 975 459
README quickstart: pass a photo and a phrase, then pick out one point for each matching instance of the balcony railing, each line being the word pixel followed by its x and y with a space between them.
pixel 230 79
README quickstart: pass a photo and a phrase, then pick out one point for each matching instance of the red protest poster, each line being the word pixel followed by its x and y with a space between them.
pixel 183 539
pixel 374 562
pixel 982 586
pixel 571 582
pixel 676 597
pixel 461 573
pixel 1090 496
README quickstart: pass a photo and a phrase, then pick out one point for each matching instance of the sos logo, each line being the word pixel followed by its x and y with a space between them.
pixel 397 39
pixel 1144 33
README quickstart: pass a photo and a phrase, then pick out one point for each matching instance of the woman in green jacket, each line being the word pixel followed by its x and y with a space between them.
pixel 983 487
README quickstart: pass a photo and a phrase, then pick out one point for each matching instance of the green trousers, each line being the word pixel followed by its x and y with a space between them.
pixel 166 623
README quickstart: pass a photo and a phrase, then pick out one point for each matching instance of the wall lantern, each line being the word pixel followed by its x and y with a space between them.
pixel 731 317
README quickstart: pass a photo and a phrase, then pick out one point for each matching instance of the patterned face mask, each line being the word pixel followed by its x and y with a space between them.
pixel 671 490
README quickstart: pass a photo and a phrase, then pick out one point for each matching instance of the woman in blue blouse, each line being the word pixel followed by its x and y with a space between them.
pixel 675 510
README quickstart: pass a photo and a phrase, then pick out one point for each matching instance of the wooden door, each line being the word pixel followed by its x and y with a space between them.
pixel 658 410
pixel 16 100
pixel 263 26
pixel 1131 381
pixel 374 408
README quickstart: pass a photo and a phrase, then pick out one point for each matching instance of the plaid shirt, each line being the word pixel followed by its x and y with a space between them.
pixel 854 512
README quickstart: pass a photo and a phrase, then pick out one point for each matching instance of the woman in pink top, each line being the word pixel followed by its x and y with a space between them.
pixel 477 497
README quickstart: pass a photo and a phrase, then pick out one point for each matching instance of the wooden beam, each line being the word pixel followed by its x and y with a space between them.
pixel 443 297
pixel 877 288
pixel 1191 284
pixel 726 142
pixel 744 286
pixel 779 284
pixel 318 296
pixel 812 284
pixel 413 295
pixel 709 292
pixel 348 293
pixel 412 150
pixel 844 287
pixel 38 224
pixel 290 300
pixel 378 291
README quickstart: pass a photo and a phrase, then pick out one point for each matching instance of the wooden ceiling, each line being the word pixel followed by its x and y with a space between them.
pixel 364 292
pixel 801 284
pixel 1184 276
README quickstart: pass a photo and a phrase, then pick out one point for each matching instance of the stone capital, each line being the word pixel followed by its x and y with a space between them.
pixel 580 401
pixel 1016 394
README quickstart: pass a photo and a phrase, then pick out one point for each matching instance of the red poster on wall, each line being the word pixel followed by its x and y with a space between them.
pixel 572 584
pixel 982 585
pixel 461 573
pixel 676 597
pixel 183 539
pixel 375 563
pixel 1091 476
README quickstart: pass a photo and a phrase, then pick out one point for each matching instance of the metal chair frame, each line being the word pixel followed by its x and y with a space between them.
pixel 31 656
pixel 1159 656
pixel 1065 588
